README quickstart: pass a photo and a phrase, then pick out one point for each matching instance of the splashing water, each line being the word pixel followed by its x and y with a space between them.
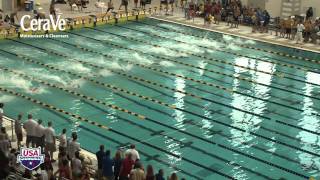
pixel 6 98
pixel 116 65
pixel 233 46
pixel 166 64
pixel 44 74
pixel 137 57
pixel 227 38
pixel 74 66
pixel 17 82
pixel 105 73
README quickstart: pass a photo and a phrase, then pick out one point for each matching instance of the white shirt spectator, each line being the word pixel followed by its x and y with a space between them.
pixel 300 27
pixel 73 146
pixel 39 129
pixel 30 127
pixel 76 166
pixel 49 135
pixel 63 140
pixel 134 153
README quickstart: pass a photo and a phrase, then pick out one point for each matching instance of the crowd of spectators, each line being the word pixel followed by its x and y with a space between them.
pixel 70 163
pixel 234 13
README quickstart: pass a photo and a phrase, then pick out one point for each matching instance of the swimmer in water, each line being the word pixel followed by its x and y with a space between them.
pixel 34 90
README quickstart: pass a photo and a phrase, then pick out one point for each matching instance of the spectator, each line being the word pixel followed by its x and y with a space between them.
pixel 62 156
pixel 160 175
pixel 4 165
pixel 117 160
pixel 18 130
pixel 135 3
pixel 100 155
pixel 137 173
pixel 30 127
pixel 85 174
pixel 1 114
pixel 107 166
pixel 309 13
pixel 13 159
pixel 133 152
pixel 300 28
pixel 4 133
pixel 73 146
pixel 76 165
pixel 39 135
pixel 64 170
pixel 4 143
pixel 150 174
pixel 173 177
pixel 63 139
pixel 48 164
pixel 126 167
pixel 50 139
pixel 110 6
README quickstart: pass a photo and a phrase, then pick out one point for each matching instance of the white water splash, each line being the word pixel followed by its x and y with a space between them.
pixel 6 98
pixel 233 46
pixel 105 73
pixel 17 82
pixel 140 59
pixel 166 64
pixel 74 66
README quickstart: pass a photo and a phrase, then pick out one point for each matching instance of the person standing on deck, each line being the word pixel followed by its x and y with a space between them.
pixel 100 155
pixel 39 135
pixel 50 140
pixel 30 127
pixel 18 130
pixel 133 152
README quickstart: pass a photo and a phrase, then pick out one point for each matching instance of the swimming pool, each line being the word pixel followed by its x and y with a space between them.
pixel 207 105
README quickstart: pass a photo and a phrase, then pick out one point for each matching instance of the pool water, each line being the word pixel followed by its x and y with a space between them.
pixel 203 104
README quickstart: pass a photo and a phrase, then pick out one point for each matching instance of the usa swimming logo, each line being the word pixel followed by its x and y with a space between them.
pixel 30 158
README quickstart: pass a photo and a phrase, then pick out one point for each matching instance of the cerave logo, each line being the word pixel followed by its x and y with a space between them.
pixel 30 158
pixel 43 24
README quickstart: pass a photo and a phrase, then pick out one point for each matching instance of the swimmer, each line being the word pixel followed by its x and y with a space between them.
pixel 34 90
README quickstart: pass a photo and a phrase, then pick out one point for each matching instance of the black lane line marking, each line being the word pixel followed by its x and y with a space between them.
pixel 227 149
pixel 198 81
pixel 156 101
pixel 190 65
pixel 135 64
pixel 270 139
pixel 217 60
pixel 120 46
pixel 140 82
pixel 245 46
pixel 123 134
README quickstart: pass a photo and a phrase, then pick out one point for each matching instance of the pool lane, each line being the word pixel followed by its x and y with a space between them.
pixel 222 146
pixel 292 126
pixel 296 54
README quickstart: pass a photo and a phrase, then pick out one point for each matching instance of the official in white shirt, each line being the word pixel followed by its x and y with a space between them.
pixel 50 140
pixel 30 127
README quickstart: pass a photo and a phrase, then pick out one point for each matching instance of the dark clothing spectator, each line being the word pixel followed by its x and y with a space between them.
pixel 117 161
pixel 100 155
pixel 309 13
pixel 107 167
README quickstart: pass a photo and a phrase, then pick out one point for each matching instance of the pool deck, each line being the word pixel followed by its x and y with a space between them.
pixel 242 31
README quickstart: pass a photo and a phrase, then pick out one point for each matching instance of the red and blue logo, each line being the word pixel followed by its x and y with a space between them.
pixel 30 158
